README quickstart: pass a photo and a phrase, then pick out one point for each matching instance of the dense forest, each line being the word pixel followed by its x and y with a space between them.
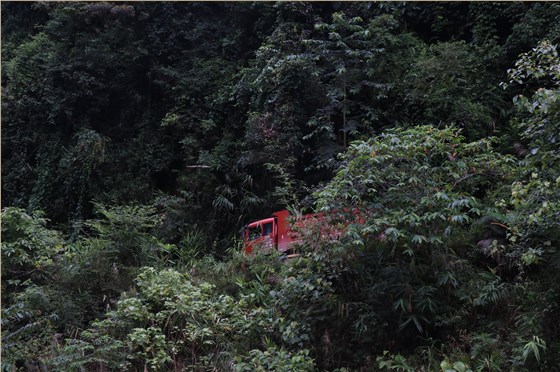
pixel 139 138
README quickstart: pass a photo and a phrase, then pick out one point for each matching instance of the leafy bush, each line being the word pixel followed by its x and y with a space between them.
pixel 419 191
pixel 30 251
pixel 28 247
pixel 169 321
pixel 273 359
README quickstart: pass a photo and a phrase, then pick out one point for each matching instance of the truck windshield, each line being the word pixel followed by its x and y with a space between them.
pixel 254 232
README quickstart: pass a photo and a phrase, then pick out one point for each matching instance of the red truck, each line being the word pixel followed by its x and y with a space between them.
pixel 276 232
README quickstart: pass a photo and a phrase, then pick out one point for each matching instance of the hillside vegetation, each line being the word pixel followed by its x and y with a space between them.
pixel 139 138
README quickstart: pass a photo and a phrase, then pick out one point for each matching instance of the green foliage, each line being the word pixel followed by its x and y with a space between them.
pixel 422 179
pixel 29 253
pixel 79 165
pixel 486 353
pixel 540 67
pixel 170 320
pixel 149 133
pixel 24 70
pixel 393 362
pixel 128 232
pixel 417 192
pixel 286 85
pixel 273 359
pixel 359 62
pixel 347 51
pixel 534 196
pixel 104 261
pixel 532 347
pixel 190 248
pixel 28 334
pixel 458 366
pixel 28 249
pixel 446 70
pixel 53 287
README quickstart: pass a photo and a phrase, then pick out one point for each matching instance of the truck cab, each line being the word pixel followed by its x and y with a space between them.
pixel 260 233
pixel 269 234
pixel 276 233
